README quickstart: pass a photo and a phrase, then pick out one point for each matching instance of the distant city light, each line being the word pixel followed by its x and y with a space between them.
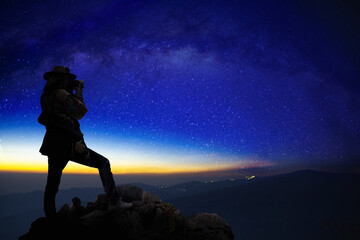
pixel 249 177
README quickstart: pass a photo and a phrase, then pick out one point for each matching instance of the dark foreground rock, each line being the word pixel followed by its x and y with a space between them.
pixel 149 218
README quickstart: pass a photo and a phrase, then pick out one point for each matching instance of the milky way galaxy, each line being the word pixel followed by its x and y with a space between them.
pixel 177 86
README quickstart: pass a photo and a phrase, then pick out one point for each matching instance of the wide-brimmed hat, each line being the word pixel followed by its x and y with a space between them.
pixel 59 70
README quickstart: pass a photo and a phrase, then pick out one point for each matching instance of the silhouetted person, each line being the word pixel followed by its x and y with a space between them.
pixel 63 140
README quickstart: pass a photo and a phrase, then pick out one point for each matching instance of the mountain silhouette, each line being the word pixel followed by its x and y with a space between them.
pixel 299 205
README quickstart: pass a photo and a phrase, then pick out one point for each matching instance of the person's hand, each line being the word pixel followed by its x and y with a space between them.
pixel 81 84
pixel 79 90
pixel 79 87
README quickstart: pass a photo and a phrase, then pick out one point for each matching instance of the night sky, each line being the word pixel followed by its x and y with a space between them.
pixel 189 85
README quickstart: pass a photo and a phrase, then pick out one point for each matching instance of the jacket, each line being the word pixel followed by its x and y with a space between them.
pixel 61 111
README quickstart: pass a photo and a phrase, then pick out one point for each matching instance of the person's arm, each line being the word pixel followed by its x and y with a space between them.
pixel 79 91
pixel 75 106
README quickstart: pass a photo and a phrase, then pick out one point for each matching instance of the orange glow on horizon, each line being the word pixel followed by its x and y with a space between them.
pixel 27 159
pixel 156 168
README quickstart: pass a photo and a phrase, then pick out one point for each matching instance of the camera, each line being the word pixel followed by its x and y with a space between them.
pixel 77 83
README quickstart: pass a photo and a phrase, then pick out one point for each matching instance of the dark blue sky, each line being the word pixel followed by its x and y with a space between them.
pixel 270 80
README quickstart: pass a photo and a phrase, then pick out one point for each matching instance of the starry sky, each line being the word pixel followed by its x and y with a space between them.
pixel 188 86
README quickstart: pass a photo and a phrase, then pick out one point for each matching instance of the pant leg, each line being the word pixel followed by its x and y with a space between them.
pixel 55 168
pixel 103 165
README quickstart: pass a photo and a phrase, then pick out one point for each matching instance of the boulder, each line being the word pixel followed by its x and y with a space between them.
pixel 148 219
pixel 209 226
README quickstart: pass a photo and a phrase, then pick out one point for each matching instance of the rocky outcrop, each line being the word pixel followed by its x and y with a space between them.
pixel 148 218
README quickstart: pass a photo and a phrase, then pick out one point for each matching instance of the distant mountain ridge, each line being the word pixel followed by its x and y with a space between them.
pixel 13 203
pixel 303 201
pixel 314 205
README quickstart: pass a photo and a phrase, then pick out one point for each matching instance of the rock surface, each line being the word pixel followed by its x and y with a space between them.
pixel 149 218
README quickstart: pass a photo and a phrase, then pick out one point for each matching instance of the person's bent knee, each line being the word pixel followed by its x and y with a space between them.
pixel 104 163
